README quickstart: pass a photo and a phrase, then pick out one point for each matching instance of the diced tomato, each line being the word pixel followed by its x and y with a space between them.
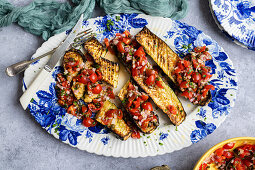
pixel 159 84
pixel 118 34
pixel 135 134
pixel 196 77
pixel 186 63
pixel 130 100
pixel 134 112
pixel 248 147
pixel 140 52
pixel 180 65
pixel 228 154
pixel 243 152
pixel 200 49
pixel 134 72
pixel 142 69
pixel 240 167
pixel 127 33
pixel 88 122
pixel 82 79
pixel 184 84
pixel 110 113
pixel 172 109
pixel 120 47
pixel 203 166
pixel 93 77
pixel 127 40
pixel 130 86
pixel 110 93
pixel 107 120
pixel 205 92
pixel 145 123
pixel 95 108
pixel 219 151
pixel 179 79
pixel 72 110
pixel 97 89
pixel 106 41
pixel 144 97
pixel 119 114
pixel 229 145
pixel 147 106
pixel 150 80
pixel 177 70
pixel 247 162
pixel 207 76
pixel 187 94
pixel 84 109
pixel 195 63
pixel 137 102
pixel 150 72
pixel 208 55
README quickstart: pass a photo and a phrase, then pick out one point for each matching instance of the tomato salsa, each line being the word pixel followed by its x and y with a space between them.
pixel 192 75
pixel 140 108
pixel 231 158
pixel 91 78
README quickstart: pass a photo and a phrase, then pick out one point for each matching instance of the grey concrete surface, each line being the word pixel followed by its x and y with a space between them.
pixel 25 145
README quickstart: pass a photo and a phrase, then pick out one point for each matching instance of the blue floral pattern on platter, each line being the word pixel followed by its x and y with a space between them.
pixel 236 18
pixel 201 122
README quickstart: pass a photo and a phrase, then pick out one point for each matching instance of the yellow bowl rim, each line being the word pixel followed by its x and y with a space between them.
pixel 212 149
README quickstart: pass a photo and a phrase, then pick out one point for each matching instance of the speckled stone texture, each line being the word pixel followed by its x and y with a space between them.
pixel 25 145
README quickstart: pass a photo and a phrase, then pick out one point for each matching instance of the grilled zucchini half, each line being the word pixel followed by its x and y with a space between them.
pixel 162 97
pixel 120 127
pixel 109 69
pixel 163 55
pixel 159 51
pixel 152 125
pixel 73 62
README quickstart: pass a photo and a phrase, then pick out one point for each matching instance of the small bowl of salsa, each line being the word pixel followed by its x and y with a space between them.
pixel 232 154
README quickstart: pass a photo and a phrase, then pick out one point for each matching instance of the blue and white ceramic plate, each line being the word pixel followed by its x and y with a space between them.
pixel 200 121
pixel 236 18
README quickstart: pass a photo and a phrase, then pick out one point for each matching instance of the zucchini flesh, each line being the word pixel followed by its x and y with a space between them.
pixel 109 69
pixel 120 127
pixel 163 55
pixel 159 51
pixel 123 95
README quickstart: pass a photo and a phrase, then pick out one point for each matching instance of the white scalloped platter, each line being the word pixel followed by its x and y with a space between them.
pixel 200 121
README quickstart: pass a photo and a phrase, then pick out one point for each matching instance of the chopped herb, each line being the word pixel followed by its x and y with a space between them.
pixel 148 137
pixel 204 75
pixel 109 24
pixel 231 94
pixel 32 100
pixel 176 128
pixel 157 79
pixel 130 53
pixel 96 66
pixel 75 103
pixel 156 46
pixel 62 92
pixel 117 18
pixel 124 101
pixel 184 46
pixel 161 144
